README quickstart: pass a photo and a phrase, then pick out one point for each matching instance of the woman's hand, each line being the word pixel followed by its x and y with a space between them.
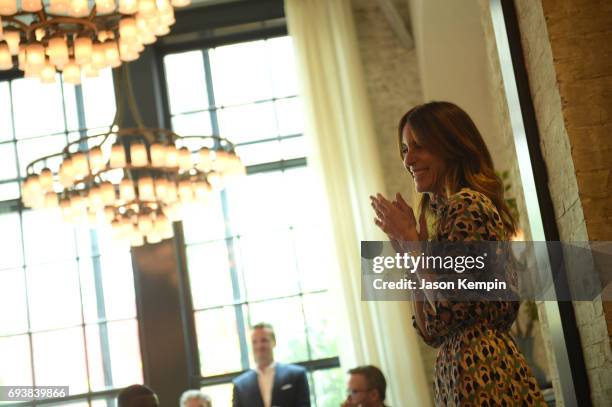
pixel 397 219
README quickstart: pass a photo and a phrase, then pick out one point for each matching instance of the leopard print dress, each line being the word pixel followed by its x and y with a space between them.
pixel 478 362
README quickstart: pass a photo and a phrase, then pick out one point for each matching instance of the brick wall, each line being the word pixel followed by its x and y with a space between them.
pixel 567 46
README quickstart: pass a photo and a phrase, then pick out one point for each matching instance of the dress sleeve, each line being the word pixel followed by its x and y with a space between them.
pixel 470 217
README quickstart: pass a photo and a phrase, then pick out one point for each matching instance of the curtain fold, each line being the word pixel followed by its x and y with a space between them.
pixel 345 154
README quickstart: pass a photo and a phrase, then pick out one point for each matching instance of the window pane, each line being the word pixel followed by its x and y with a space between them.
pixel 248 123
pixel 53 294
pixel 252 154
pixel 204 225
pixel 192 124
pixel 118 283
pixel 10 241
pixel 99 99
pixel 47 106
pixel 8 164
pixel 63 348
pixel 6 121
pixel 287 317
pixel 55 243
pixel 186 82
pixel 282 63
pixel 125 353
pixel 16 366
pixel 13 298
pixel 108 402
pixel 268 265
pixel 209 274
pixel 321 328
pixel 218 342
pixel 240 73
pixel 257 203
pixel 290 116
pixel 9 190
pixel 30 150
pixel 329 385
pixel 294 148
pixel 119 342
pixel 221 394
pixel 314 258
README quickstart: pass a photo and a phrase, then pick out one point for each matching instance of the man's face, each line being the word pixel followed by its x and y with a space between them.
pixel 358 392
pixel 263 345
pixel 196 403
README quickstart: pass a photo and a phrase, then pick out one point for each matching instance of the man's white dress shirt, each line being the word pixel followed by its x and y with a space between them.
pixel 265 379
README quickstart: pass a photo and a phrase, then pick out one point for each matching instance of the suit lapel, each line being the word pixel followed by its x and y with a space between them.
pixel 254 392
pixel 276 387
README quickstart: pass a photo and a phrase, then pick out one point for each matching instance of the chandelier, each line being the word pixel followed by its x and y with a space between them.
pixel 137 180
pixel 79 38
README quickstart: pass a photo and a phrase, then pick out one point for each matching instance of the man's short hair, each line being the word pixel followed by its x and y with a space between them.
pixel 265 325
pixel 195 394
pixel 374 377
pixel 137 395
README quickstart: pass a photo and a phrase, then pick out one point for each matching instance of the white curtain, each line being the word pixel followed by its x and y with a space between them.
pixel 341 130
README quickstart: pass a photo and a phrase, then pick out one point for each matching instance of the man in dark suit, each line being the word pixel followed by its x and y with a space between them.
pixel 271 384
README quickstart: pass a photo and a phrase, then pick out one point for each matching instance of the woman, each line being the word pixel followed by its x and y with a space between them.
pixel 478 363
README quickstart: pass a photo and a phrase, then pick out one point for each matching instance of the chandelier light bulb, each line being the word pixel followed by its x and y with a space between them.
pixel 136 240
pixel 171 192
pixel 72 73
pixel 46 179
pixel 128 6
pixel 126 190
pixel 109 213
pixel 35 55
pixel 59 6
pixel 147 7
pixel 67 172
pixel 58 51
pixel 107 190
pixel 8 7
pixel 185 192
pixel 146 191
pixel 6 59
pixel 138 155
pixel 180 3
pixel 80 165
pixel 128 31
pixel 127 54
pixel 66 209
pixel 161 189
pixel 111 51
pixel 95 198
pixel 79 8
pixel 47 74
pixel 117 158
pixel 98 56
pixel 153 237
pixel 51 200
pixel 204 161
pixel 215 180
pixel 171 156
pixel 96 160
pixel 202 192
pixel 89 71
pixel 31 5
pixel 145 223
pixel 158 155
pixel 83 47
pixel 184 159
pixel 12 38
pixel 105 6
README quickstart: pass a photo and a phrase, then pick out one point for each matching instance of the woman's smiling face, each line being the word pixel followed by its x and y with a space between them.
pixel 426 167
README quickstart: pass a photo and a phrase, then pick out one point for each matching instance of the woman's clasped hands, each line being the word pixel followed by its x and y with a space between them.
pixel 396 218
